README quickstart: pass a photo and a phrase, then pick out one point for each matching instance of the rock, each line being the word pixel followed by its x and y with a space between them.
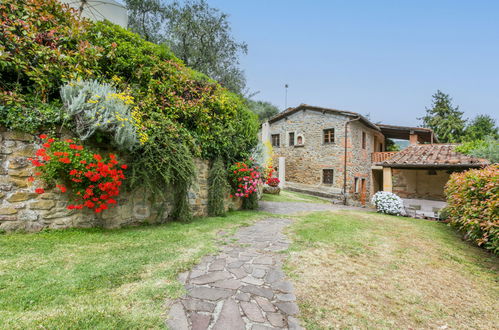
pixel 7 211
pixel 209 293
pixel 261 327
pixel 198 305
pixel 274 275
pixel 258 273
pixel 18 162
pixel 252 280
pixel 177 319
pixel 283 286
pixel 271 190
pixel 259 291
pixel 276 319
pixel 200 321
pixel 228 284
pixel 265 260
pixel 21 183
pixel 285 297
pixel 230 317
pixel 218 264
pixel 265 304
pixel 2 195
pixel 289 308
pixel 252 311
pixel 238 272
pixel 12 226
pixel 235 264
pixel 8 217
pixel 26 215
pixel 21 196
pixel 243 296
pixel 20 173
pixel 42 205
pixel 17 136
pixel 211 277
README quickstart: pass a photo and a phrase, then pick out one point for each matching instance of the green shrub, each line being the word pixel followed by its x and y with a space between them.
pixel 218 188
pixel 487 148
pixel 473 205
pixel 178 113
pixel 100 107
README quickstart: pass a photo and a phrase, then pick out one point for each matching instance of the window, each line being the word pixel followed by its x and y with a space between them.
pixel 381 147
pixel 329 135
pixel 327 176
pixel 299 140
pixel 363 140
pixel 356 185
pixel 291 139
pixel 276 140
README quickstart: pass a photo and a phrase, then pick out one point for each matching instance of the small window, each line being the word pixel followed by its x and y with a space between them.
pixel 381 147
pixel 328 176
pixel 329 135
pixel 363 140
pixel 356 185
pixel 291 139
pixel 299 140
pixel 276 140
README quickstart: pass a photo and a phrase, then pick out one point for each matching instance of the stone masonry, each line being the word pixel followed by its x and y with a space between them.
pixel 243 287
pixel 22 209
pixel 305 163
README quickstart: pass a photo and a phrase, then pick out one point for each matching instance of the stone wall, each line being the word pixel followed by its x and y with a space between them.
pixel 305 163
pixel 420 184
pixel 22 209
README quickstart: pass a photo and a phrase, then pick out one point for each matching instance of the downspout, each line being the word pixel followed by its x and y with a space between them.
pixel 345 161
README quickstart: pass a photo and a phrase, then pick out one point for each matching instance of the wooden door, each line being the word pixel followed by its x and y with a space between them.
pixel 363 189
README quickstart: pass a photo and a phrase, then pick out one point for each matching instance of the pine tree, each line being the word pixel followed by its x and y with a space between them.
pixel 444 118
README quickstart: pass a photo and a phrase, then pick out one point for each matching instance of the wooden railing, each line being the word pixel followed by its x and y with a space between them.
pixel 378 157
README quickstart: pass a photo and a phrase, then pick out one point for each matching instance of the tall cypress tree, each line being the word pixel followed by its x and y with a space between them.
pixel 444 118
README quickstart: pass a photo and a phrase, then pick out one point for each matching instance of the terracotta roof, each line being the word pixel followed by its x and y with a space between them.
pixel 290 111
pixel 432 155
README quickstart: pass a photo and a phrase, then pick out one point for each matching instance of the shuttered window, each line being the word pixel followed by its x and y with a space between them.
pixel 329 135
pixel 276 140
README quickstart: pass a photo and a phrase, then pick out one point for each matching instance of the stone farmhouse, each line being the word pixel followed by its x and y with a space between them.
pixel 342 155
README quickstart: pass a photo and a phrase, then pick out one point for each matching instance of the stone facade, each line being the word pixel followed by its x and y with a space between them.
pixel 306 162
pixel 22 209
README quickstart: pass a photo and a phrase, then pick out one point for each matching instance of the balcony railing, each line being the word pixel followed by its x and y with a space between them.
pixel 378 157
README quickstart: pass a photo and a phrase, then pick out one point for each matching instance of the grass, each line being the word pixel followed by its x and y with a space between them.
pixel 104 279
pixel 291 196
pixel 366 270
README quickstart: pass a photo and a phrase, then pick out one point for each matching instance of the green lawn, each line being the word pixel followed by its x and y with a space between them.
pixel 94 278
pixel 291 196
pixel 366 270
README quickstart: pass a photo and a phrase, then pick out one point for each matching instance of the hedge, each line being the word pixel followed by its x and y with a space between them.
pixel 473 205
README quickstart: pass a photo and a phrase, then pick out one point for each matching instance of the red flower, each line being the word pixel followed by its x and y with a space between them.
pixel 39 190
pixel 61 187
pixel 97 157
pixel 83 161
pixel 46 145
pixel 31 179
pixel 65 160
pixel 73 172
pixel 124 167
pixel 50 140
pixel 69 141
pixel 43 136
pixel 71 207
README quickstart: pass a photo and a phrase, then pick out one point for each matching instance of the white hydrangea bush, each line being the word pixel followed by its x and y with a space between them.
pixel 388 203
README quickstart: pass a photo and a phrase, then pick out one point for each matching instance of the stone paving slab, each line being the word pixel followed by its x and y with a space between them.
pixel 243 287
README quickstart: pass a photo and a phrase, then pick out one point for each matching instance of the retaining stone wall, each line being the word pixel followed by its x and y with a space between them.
pixel 22 209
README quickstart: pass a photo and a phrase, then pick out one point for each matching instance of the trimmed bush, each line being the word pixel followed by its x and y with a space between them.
pixel 473 205
pixel 388 203
pixel 218 188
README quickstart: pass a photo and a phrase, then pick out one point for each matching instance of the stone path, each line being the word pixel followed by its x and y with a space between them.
pixel 243 287
pixel 298 207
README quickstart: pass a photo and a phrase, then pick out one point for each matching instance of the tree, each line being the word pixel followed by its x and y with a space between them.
pixel 480 127
pixel 444 119
pixel 147 18
pixel 196 33
pixel 487 148
pixel 263 109
pixel 201 36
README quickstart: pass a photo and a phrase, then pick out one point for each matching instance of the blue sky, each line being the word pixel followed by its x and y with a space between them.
pixel 385 58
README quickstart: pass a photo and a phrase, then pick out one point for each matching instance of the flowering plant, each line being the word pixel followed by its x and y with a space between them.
pixel 273 182
pixel 244 178
pixel 269 173
pixel 93 180
pixel 387 202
